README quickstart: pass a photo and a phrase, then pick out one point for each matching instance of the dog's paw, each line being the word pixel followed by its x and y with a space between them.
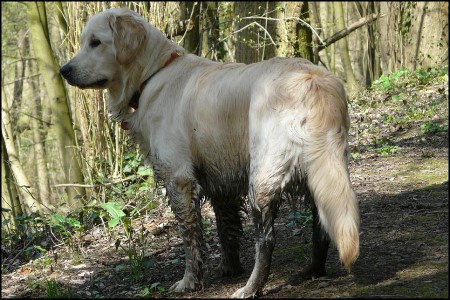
pixel 245 293
pixel 185 285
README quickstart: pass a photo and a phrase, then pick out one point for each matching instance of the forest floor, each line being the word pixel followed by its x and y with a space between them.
pixel 399 170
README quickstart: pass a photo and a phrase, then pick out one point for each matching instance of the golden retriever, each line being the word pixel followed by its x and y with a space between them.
pixel 226 131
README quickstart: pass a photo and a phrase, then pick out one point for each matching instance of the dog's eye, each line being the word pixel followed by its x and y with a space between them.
pixel 94 43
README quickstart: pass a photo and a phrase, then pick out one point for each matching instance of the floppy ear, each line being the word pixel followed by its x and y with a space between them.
pixel 128 37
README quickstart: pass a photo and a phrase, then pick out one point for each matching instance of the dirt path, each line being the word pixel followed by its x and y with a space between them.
pixel 404 242
pixel 404 245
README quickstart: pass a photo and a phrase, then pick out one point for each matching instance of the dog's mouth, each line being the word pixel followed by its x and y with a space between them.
pixel 99 84
pixel 81 79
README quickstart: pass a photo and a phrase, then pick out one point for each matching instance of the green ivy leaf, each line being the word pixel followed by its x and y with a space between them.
pixel 113 222
pixel 115 211
pixel 143 171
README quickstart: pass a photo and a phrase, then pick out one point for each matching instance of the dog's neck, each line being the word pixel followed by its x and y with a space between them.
pixel 134 101
pixel 172 57
pixel 125 95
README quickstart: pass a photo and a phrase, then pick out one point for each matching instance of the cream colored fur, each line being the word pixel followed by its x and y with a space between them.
pixel 269 121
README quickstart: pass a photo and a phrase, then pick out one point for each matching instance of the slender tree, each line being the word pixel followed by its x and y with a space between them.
pixel 57 94
pixel 343 47
pixel 304 34
pixel 11 207
pixel 274 23
pixel 209 31
pixel 247 43
pixel 190 12
pixel 37 128
pixel 317 24
pixel 371 63
pixel 23 186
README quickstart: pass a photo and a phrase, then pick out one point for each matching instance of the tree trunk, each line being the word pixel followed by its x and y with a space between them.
pixel 276 28
pixel 190 12
pixel 385 25
pixel 343 48
pixel 33 119
pixel 209 30
pixel 37 127
pixel 330 51
pixel 304 34
pixel 429 46
pixel 27 194
pixel 371 61
pixel 317 25
pixel 19 110
pixel 61 20
pixel 10 199
pixel 413 35
pixel 247 44
pixel 57 94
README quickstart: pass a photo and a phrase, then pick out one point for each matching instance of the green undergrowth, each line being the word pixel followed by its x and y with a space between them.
pixel 399 110
pixel 119 212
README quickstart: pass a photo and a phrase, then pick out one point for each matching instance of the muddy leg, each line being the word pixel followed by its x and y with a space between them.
pixel 229 227
pixel 264 208
pixel 185 203
pixel 320 245
pixel 321 241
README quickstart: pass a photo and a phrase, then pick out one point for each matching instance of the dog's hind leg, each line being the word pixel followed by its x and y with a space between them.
pixel 264 208
pixel 264 197
pixel 320 246
pixel 184 200
pixel 229 227
pixel 321 242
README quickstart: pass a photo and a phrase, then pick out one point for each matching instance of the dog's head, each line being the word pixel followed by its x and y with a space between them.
pixel 110 42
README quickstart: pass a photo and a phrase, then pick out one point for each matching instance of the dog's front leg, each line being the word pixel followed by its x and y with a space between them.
pixel 184 200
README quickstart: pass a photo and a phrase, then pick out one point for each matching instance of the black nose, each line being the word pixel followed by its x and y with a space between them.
pixel 65 70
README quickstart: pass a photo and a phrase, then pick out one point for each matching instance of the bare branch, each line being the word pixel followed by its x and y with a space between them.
pixel 287 19
pixel 260 26
pixel 96 185
pixel 346 31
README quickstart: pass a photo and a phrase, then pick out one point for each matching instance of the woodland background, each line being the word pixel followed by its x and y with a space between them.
pixel 59 150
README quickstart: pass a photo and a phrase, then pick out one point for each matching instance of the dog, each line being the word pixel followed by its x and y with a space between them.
pixel 231 132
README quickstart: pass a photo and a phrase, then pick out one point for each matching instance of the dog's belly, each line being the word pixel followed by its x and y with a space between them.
pixel 224 184
pixel 221 160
